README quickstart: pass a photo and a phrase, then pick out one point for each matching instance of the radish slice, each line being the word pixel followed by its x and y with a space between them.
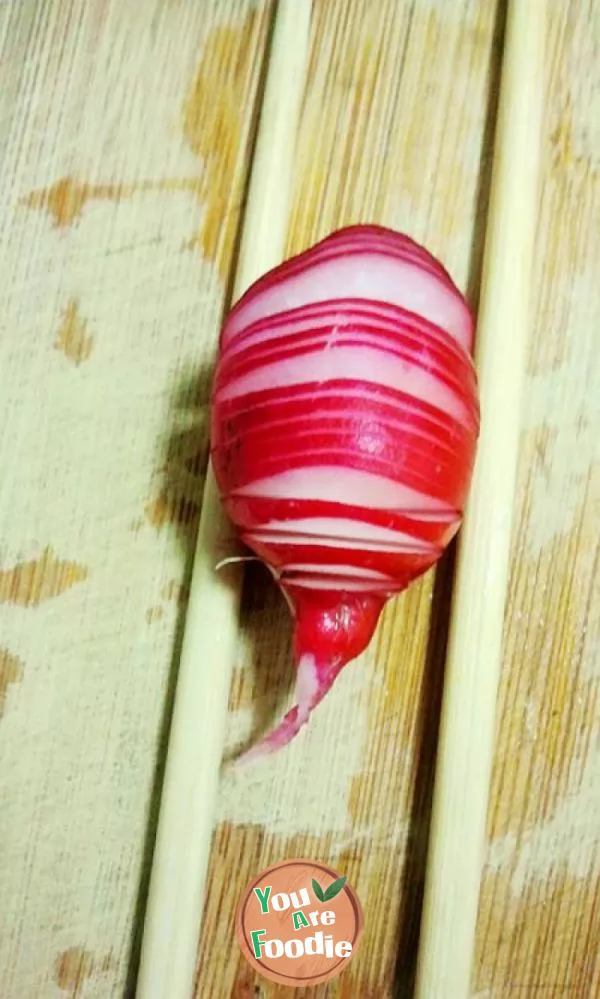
pixel 332 482
pixel 370 276
pixel 344 425
pixel 351 362
pixel 390 269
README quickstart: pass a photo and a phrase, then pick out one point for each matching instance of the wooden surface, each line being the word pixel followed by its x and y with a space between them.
pixel 184 831
pixel 474 652
pixel 124 148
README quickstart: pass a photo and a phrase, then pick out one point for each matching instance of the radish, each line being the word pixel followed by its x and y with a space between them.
pixel 345 419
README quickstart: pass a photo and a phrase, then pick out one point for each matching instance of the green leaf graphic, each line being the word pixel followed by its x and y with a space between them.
pixel 334 889
pixel 318 890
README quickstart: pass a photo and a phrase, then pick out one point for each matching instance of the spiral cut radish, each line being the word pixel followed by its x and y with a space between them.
pixel 344 425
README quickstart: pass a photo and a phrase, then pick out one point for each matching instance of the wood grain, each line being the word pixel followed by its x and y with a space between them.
pixel 539 921
pixel 356 786
pixel 130 125
pixel 124 150
pixel 466 744
pixel 178 877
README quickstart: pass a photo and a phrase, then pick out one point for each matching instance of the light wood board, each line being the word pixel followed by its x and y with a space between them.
pixel 125 138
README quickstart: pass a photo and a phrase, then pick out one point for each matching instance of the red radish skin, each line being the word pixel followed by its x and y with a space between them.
pixel 345 419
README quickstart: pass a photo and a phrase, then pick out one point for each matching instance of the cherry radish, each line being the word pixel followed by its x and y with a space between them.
pixel 344 424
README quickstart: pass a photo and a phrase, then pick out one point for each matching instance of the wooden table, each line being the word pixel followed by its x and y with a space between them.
pixel 125 139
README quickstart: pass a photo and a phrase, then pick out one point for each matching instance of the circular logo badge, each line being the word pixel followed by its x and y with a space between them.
pixel 299 923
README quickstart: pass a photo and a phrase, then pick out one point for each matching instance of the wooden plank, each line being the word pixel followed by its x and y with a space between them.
pixel 473 666
pixel 538 924
pixel 393 127
pixel 539 920
pixel 125 131
pixel 124 135
pixel 184 831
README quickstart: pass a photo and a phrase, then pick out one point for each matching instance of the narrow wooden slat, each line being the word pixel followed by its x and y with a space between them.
pixel 474 654
pixel 186 820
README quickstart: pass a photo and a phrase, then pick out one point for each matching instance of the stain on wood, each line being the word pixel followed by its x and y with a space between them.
pixel 76 965
pixel 11 671
pixel 171 509
pixel 66 199
pixel 215 126
pixel 73 339
pixel 182 479
pixel 30 583
pixel 155 613
pixel 196 463
pixel 175 590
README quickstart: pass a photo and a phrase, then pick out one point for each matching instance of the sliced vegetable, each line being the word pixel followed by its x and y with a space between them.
pixel 344 426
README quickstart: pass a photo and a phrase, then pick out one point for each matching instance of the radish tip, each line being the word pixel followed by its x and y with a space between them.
pixel 308 692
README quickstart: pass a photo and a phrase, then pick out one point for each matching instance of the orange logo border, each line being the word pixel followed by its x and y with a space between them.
pixel 246 946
